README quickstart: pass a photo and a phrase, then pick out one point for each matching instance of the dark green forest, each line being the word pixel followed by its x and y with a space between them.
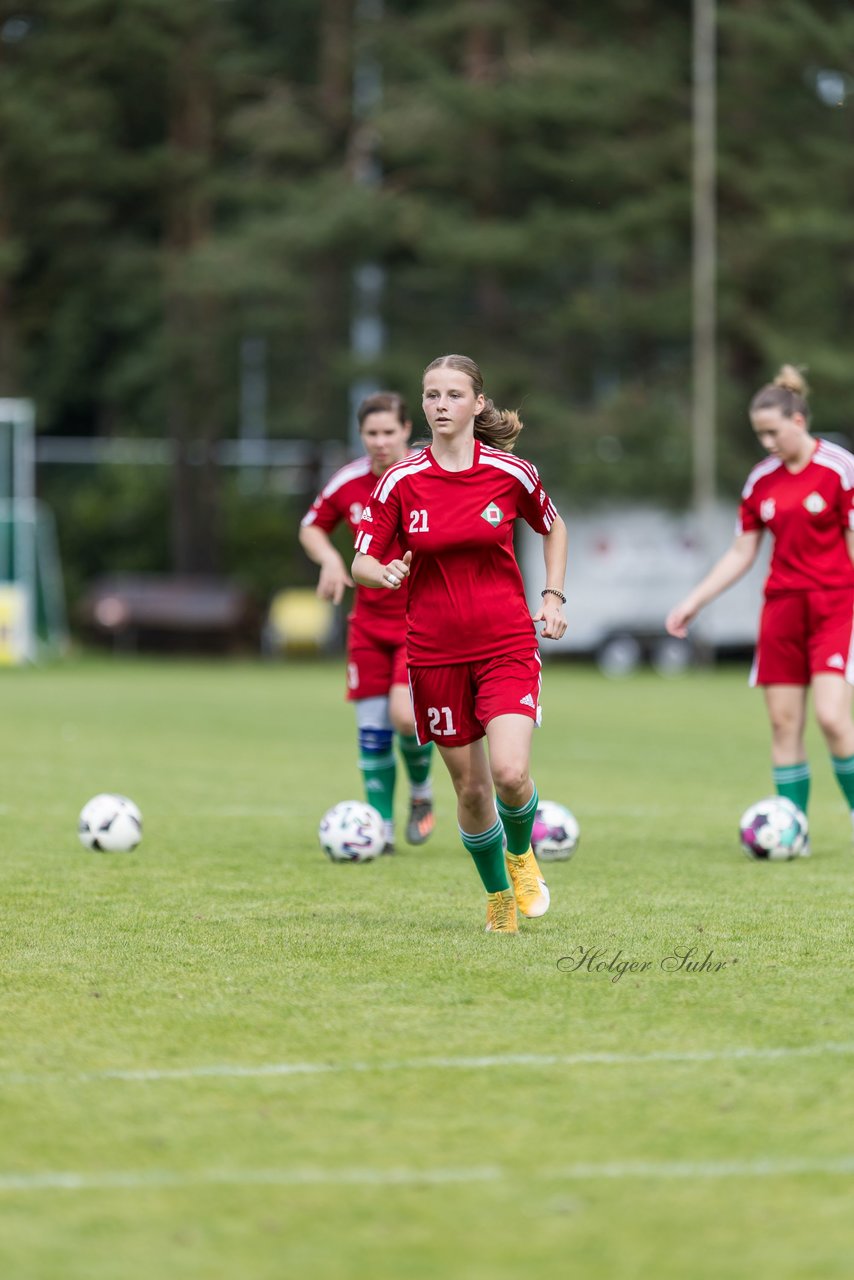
pixel 179 176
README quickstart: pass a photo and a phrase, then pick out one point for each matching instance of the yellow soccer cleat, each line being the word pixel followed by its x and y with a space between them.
pixel 531 890
pixel 501 912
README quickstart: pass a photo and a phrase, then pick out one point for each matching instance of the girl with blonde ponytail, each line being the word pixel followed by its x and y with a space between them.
pixel 803 494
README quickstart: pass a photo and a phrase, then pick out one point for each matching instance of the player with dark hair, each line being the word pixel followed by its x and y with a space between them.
pixel 803 493
pixel 443 520
pixel 376 663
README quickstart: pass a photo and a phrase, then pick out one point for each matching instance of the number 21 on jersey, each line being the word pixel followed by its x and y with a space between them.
pixel 418 522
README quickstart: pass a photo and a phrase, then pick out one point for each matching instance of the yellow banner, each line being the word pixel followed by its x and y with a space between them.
pixel 13 624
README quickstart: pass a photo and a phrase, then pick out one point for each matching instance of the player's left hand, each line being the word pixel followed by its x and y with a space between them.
pixel 550 613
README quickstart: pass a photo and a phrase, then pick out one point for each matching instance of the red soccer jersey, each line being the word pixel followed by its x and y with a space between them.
pixel 380 614
pixel 466 596
pixel 808 513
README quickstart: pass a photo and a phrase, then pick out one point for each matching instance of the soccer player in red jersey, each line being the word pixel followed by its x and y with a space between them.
pixel 443 520
pixel 803 492
pixel 376 662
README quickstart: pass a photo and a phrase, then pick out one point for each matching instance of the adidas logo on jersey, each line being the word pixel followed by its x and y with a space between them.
pixel 366 515
pixel 814 503
pixel 836 660
pixel 527 701
pixel 492 514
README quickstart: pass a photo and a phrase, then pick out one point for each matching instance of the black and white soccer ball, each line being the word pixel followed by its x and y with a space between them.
pixel 773 830
pixel 556 832
pixel 351 831
pixel 110 823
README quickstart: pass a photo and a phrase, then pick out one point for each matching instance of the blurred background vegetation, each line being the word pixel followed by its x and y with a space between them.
pixel 179 178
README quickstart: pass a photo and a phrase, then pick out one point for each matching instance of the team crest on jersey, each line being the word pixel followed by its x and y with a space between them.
pixel 492 514
pixel 767 510
pixel 814 503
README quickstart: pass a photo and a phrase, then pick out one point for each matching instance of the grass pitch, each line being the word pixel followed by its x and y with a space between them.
pixel 223 1056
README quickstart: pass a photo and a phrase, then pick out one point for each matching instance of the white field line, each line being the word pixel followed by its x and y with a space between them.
pixel 236 1071
pixel 615 1170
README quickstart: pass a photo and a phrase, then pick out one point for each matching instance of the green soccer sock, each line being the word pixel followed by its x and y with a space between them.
pixel 843 767
pixel 793 782
pixel 417 760
pixel 378 776
pixel 519 823
pixel 487 850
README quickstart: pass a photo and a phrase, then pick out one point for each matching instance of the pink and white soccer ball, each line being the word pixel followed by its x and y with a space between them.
pixel 351 831
pixel 110 823
pixel 773 830
pixel 556 832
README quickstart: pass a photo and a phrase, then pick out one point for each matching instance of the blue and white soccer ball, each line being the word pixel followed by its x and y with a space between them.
pixel 351 831
pixel 110 824
pixel 556 832
pixel 773 830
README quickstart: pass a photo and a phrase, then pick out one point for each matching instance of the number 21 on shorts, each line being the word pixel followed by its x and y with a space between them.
pixel 435 715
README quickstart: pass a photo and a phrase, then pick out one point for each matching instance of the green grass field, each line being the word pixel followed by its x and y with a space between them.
pixel 223 1056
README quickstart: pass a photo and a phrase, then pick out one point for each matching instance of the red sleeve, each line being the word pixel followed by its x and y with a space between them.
pixel 535 506
pixel 748 518
pixel 323 513
pixel 380 523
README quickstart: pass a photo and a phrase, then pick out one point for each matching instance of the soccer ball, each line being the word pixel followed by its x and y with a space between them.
pixel 773 830
pixel 110 824
pixel 351 831
pixel 556 832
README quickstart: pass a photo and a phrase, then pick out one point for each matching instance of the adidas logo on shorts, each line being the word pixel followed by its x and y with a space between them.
pixel 527 701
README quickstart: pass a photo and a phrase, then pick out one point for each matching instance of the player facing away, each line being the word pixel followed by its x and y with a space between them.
pixel 443 521
pixel 803 493
pixel 376 663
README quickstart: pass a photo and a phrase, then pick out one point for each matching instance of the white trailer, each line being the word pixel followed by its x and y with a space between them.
pixel 628 566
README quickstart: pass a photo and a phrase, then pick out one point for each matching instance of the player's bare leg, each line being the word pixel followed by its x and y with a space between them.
pixel 481 831
pixel 832 697
pixel 416 759
pixel 509 738
pixel 787 713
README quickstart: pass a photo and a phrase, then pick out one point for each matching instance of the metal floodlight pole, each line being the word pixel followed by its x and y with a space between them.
pixel 367 328
pixel 704 260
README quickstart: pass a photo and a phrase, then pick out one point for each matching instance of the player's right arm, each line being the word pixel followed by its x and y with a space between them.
pixel 733 564
pixel 334 578
pixel 378 531
pixel 371 572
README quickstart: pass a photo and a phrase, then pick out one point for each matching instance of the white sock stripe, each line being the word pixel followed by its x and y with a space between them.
pixel 482 837
pixel 523 812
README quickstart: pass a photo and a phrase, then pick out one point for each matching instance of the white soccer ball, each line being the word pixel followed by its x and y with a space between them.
pixel 351 831
pixel 556 832
pixel 773 830
pixel 110 824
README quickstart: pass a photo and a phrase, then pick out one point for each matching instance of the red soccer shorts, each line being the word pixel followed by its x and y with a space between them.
pixel 373 667
pixel 454 704
pixel 804 634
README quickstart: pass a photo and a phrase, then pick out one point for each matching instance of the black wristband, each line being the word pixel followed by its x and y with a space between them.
pixel 553 591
